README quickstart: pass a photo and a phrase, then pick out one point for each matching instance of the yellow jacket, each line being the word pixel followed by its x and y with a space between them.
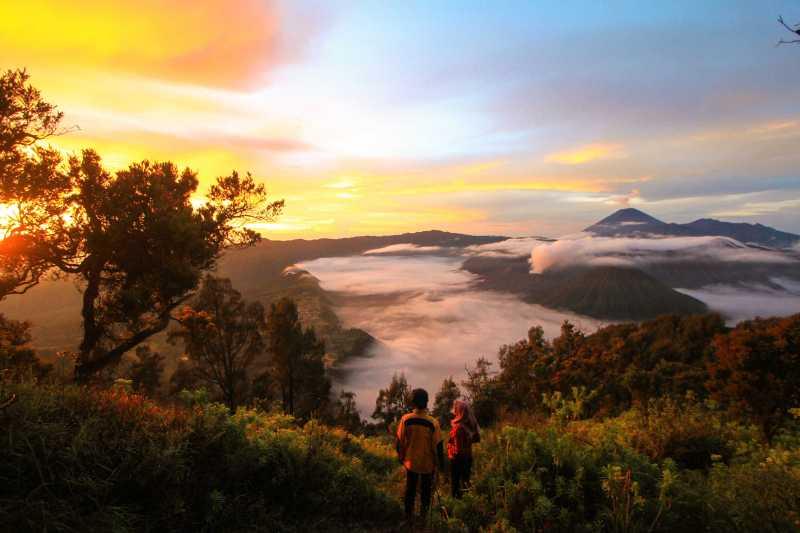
pixel 419 442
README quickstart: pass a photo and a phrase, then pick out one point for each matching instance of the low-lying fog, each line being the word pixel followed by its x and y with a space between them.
pixel 432 323
pixel 429 320
pixel 743 302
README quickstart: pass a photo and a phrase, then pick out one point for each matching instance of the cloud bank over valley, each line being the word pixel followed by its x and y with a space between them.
pixel 430 320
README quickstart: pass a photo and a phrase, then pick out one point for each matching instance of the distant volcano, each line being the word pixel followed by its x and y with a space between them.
pixel 631 222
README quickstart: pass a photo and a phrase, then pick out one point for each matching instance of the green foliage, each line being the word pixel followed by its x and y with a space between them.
pixel 345 413
pixel 140 247
pixel 296 363
pixel 567 408
pixel 443 403
pixel 753 497
pixel 18 361
pixel 78 459
pixel 393 402
pixel 691 433
pixel 546 480
pixel 482 391
pixel 221 335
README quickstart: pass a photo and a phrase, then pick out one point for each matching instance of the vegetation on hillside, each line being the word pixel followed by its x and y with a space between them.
pixel 80 459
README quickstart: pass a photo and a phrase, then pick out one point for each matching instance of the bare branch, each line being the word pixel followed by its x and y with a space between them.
pixel 796 30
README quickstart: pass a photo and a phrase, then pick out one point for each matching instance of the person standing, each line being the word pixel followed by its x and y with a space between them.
pixel 464 433
pixel 419 448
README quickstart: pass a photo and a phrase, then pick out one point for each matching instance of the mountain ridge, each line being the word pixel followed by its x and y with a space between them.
pixel 631 222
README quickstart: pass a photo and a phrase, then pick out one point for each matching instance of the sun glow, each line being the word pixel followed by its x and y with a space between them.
pixel 8 215
pixel 588 153
pixel 449 120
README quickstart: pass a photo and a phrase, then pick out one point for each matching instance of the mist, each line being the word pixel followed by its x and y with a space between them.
pixel 583 250
pixel 430 321
pixel 737 303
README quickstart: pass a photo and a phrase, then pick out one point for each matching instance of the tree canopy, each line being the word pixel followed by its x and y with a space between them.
pixel 222 334
pixel 296 361
pixel 393 401
pixel 34 187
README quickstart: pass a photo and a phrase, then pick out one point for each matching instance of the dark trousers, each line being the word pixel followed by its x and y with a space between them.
pixel 426 482
pixel 460 470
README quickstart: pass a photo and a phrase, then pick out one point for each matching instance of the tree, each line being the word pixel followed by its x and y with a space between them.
pixel 482 391
pixel 296 360
pixel 263 391
pixel 523 370
pixel 443 404
pixel 756 369
pixel 569 341
pixel 394 401
pixel 221 335
pixel 18 360
pixel 146 373
pixel 313 388
pixel 345 412
pixel 184 377
pixel 33 186
pixel 143 248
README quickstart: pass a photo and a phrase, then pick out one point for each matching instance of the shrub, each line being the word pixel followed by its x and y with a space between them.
pixel 80 459
pixel 533 481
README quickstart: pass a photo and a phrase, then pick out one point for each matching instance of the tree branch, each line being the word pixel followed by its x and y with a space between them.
pixel 86 369
pixel 796 30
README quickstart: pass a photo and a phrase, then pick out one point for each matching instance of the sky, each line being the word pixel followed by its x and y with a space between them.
pixel 379 117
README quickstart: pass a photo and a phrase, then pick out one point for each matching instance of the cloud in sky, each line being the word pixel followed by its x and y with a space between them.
pixel 504 105
pixel 403 249
pixel 216 43
pixel 587 153
pixel 519 247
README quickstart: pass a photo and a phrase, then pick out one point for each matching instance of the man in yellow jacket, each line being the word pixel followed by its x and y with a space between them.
pixel 419 448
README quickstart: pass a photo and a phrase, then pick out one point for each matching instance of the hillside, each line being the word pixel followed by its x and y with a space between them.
pixel 659 426
pixel 249 267
pixel 601 292
pixel 612 293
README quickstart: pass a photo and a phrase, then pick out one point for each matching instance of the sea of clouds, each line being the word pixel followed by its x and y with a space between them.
pixel 619 251
pixel 431 321
pixel 429 318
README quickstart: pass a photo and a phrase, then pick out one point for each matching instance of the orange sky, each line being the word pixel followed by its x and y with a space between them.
pixel 362 130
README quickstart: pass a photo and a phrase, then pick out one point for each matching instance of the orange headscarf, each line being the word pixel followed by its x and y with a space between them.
pixel 465 418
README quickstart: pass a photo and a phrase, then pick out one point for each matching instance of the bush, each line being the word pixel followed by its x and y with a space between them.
pixel 692 434
pixel 533 481
pixel 86 460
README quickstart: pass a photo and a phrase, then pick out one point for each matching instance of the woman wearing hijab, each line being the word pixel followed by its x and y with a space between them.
pixel 464 433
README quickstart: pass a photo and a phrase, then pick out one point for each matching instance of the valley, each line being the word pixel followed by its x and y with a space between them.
pixel 426 304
